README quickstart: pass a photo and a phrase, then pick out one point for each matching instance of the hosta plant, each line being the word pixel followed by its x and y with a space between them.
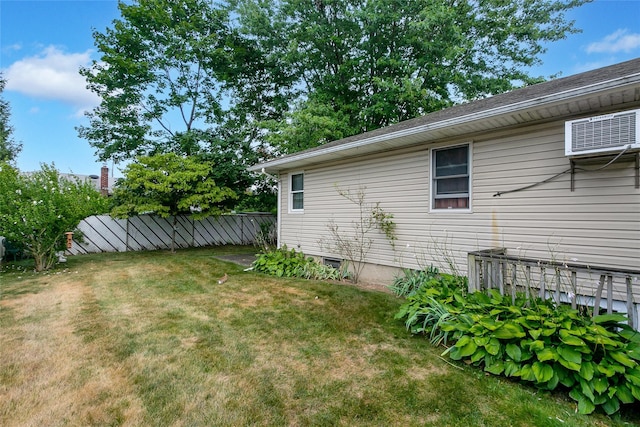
pixel 408 284
pixel 290 263
pixel 535 341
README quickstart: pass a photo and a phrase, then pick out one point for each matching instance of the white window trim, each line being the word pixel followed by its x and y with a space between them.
pixel 432 209
pixel 291 192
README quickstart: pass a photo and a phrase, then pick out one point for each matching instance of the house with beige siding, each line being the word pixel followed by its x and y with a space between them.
pixel 546 173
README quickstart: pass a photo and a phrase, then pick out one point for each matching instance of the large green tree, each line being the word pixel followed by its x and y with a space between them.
pixel 305 126
pixel 244 80
pixel 159 78
pixel 378 62
pixel 9 148
pixel 36 210
pixel 168 185
pixel 166 71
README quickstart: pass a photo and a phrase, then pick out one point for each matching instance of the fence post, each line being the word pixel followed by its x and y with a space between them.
pixel 527 278
pixel 574 290
pixel 609 294
pixel 495 275
pixel 630 304
pixel 514 278
pixel 471 266
pixel 558 283
pixel 485 274
pixel 596 305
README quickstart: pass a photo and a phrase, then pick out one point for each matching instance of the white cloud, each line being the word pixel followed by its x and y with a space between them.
pixel 619 41
pixel 53 74
pixel 12 48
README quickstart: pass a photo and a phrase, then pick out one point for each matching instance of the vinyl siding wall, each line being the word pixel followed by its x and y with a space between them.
pixel 598 223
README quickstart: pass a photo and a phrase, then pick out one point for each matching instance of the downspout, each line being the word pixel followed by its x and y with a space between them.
pixel 279 205
pixel 279 213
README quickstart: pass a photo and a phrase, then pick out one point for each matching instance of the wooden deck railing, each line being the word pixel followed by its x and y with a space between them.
pixel 569 283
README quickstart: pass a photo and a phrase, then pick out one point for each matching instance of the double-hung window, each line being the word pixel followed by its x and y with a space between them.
pixel 451 177
pixel 296 192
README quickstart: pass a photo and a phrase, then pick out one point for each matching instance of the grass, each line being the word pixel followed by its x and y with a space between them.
pixel 151 338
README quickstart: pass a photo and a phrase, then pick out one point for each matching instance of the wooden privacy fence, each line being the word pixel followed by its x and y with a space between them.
pixel 101 233
pixel 600 288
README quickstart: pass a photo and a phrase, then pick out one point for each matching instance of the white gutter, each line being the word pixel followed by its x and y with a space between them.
pixel 486 114
pixel 279 214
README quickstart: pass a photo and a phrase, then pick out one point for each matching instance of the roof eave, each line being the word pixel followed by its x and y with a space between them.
pixel 308 157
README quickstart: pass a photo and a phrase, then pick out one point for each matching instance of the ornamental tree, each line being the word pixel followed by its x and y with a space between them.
pixel 36 209
pixel 169 185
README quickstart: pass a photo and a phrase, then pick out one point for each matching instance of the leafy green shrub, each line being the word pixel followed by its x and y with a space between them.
pixel 534 341
pixel 289 263
pixel 317 271
pixel 411 281
pixel 280 262
pixel 428 307
pixel 36 210
pixel 423 285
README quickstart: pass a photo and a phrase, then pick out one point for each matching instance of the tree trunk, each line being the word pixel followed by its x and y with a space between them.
pixel 39 262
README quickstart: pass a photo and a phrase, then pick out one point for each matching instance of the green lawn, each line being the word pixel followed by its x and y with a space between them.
pixel 151 339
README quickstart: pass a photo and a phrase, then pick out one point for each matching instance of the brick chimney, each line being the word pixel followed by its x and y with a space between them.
pixel 104 180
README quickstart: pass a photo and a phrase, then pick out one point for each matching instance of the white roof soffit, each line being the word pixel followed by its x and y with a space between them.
pixel 457 125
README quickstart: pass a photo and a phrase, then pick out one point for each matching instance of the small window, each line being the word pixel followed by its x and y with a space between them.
pixel 451 177
pixel 296 192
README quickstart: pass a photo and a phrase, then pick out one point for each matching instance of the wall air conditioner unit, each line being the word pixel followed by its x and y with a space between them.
pixel 609 133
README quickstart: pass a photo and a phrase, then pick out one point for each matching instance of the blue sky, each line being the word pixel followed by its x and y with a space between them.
pixel 44 42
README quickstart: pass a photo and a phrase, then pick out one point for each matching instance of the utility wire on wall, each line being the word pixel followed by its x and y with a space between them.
pixel 500 193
